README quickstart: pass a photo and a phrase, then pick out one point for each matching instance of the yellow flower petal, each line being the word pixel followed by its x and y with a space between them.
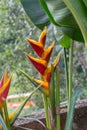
pixel 47 74
pixel 42 37
pixel 47 52
pixel 56 60
pixel 12 115
pixel 5 76
pixel 44 85
pixel 5 88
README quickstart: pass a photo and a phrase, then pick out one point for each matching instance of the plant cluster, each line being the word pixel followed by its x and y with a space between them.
pixel 66 16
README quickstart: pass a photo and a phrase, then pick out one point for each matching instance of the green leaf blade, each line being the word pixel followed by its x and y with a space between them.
pixel 80 14
pixel 36 13
pixel 3 123
pixel 78 92
pixel 18 111
pixel 62 17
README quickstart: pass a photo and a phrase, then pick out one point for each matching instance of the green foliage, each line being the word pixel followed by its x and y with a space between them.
pixel 78 92
pixel 38 17
pixel 62 17
pixel 15 27
pixel 18 111
pixel 63 39
pixel 58 14
pixel 80 14
pixel 3 123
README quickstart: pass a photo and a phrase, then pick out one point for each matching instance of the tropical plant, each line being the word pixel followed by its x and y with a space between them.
pixel 45 71
pixel 50 84
pixel 5 117
pixel 69 23
pixel 65 16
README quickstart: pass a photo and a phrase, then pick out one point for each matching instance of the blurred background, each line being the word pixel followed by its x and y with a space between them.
pixel 15 26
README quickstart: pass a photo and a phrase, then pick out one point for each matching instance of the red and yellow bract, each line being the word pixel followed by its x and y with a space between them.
pixel 41 64
pixel 4 86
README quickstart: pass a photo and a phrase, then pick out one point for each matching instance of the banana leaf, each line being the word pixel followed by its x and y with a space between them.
pixel 36 13
pixel 43 13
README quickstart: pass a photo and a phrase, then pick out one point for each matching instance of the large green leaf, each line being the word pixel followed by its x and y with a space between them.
pixel 56 13
pixel 70 114
pixel 60 15
pixel 85 2
pixel 79 11
pixel 64 40
pixel 35 13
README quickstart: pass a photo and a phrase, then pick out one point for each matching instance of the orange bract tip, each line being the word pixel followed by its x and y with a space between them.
pixel 56 60
pixel 47 52
pixel 42 37
pixel 5 88
pixel 5 76
pixel 37 46
pixel 44 85
pixel 39 64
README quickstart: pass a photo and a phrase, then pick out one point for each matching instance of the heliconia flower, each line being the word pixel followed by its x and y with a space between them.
pixel 4 86
pixel 38 46
pixel 39 64
pixel 46 77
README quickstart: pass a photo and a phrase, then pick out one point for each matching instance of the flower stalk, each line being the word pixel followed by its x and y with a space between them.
pixel 66 72
pixel 46 109
pixel 70 70
pixel 52 100
pixel 6 114
pixel 57 99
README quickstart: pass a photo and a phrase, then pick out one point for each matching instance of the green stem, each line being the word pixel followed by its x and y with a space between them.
pixel 57 100
pixel 70 70
pixel 52 94
pixel 6 115
pixel 46 111
pixel 2 115
pixel 1 112
pixel 66 73
pixel 52 100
